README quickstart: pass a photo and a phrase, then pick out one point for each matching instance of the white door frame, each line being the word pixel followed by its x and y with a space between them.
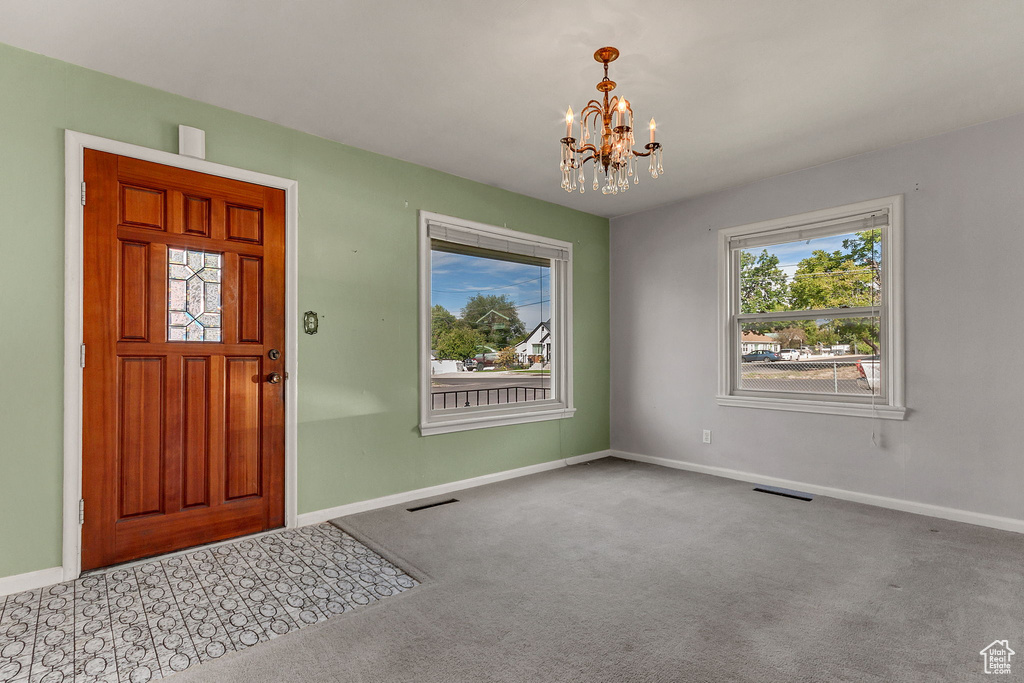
pixel 75 145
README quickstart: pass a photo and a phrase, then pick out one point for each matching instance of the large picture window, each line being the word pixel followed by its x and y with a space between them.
pixel 811 312
pixel 494 335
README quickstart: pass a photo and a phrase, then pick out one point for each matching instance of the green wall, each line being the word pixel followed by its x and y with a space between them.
pixel 358 436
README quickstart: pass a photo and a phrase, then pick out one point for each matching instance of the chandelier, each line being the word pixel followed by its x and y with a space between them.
pixel 608 143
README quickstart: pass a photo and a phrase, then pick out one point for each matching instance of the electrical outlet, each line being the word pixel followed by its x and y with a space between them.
pixel 707 436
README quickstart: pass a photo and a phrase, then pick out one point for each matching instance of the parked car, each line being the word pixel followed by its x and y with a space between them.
pixel 789 354
pixel 766 356
pixel 481 361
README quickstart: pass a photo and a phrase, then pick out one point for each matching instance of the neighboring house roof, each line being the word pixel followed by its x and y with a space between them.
pixel 544 326
pixel 751 337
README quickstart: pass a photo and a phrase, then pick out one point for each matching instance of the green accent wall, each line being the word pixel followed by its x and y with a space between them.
pixel 358 412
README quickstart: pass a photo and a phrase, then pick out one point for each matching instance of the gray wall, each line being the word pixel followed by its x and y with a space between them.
pixel 961 444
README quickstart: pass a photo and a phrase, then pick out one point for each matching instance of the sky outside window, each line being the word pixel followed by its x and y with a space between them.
pixel 454 278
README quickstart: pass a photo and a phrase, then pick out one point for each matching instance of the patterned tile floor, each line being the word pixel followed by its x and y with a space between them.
pixel 148 620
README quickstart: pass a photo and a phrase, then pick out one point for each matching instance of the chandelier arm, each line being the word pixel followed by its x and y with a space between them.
pixel 651 147
pixel 571 144
pixel 588 112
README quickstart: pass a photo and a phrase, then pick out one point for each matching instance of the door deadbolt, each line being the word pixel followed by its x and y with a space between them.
pixel 273 354
pixel 274 378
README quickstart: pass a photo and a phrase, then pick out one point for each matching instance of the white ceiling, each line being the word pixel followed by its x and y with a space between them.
pixel 741 89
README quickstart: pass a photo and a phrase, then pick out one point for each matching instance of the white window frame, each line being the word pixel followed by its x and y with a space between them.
pixel 560 405
pixel 892 406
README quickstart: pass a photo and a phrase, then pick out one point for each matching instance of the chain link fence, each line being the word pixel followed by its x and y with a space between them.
pixel 810 377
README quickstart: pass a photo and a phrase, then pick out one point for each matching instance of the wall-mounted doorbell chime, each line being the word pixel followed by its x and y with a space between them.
pixel 310 322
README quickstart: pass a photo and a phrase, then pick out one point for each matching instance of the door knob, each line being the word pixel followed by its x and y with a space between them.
pixel 274 378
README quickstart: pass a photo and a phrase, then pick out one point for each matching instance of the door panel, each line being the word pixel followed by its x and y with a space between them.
pixel 245 224
pixel 244 379
pixel 142 206
pixel 197 216
pixel 250 296
pixel 195 432
pixel 183 438
pixel 134 297
pixel 141 448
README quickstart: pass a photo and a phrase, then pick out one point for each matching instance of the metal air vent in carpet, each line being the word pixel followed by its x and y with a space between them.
pixel 785 493
pixel 433 505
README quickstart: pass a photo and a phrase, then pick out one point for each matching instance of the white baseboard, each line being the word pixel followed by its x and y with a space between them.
pixel 9 585
pixel 407 496
pixel 954 514
pixel 586 457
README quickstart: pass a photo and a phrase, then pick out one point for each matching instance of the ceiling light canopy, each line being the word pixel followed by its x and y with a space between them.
pixel 612 146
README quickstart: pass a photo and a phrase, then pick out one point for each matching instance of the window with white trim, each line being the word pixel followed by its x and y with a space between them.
pixel 489 298
pixel 810 311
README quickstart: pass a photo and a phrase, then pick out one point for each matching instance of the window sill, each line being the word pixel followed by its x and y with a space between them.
pixel 463 422
pixel 881 412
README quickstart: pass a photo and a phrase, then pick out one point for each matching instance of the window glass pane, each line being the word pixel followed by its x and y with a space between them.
pixel 838 356
pixel 490 335
pixel 193 295
pixel 826 272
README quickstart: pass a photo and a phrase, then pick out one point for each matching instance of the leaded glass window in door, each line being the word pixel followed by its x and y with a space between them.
pixel 193 295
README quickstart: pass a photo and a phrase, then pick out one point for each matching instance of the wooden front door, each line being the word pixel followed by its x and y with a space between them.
pixel 183 407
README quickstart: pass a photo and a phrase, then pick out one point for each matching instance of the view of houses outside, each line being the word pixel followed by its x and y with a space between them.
pixel 490 336
pixel 832 354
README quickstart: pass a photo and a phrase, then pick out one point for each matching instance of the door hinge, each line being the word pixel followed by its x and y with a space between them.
pixel 81 511
pixel 82 355
pixel 83 194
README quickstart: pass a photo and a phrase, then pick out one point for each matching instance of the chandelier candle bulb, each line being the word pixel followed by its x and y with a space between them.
pixel 568 122
pixel 652 131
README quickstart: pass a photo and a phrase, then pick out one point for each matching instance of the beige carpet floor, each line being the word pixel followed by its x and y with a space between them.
pixel 619 571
